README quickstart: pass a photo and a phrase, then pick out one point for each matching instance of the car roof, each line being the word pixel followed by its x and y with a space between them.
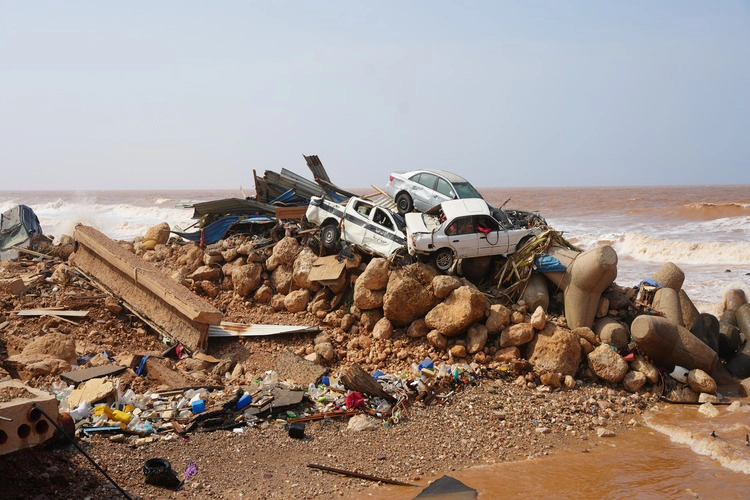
pixel 466 206
pixel 448 175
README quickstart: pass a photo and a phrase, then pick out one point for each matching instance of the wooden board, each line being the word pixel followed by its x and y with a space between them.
pixel 326 269
pixel 227 329
pixel 53 312
pixel 291 212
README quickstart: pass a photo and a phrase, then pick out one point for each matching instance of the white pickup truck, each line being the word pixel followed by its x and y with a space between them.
pixel 376 229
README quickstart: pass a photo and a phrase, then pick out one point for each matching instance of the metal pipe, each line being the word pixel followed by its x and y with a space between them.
pixel 60 429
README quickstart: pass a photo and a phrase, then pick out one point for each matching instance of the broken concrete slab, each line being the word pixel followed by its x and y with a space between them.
pixel 298 370
pixel 92 391
pixel 169 307
pixel 75 377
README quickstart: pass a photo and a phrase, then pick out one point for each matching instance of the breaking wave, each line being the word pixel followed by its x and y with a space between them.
pixel 710 211
pixel 647 248
pixel 119 221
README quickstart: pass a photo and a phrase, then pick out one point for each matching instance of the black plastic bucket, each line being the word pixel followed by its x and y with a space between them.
pixel 159 472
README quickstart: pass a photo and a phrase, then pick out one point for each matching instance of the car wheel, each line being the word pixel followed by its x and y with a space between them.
pixel 404 203
pixel 402 258
pixel 444 259
pixel 329 235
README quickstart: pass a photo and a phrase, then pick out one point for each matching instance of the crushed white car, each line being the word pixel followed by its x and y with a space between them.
pixel 375 229
pixel 460 229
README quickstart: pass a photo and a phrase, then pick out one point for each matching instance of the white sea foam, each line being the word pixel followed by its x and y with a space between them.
pixel 120 221
pixel 730 455
pixel 648 248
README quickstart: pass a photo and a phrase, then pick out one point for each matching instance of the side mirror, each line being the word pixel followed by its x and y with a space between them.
pixel 453 195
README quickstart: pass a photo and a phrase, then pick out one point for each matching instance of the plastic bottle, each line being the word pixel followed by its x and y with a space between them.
pixel 270 379
pixel 81 411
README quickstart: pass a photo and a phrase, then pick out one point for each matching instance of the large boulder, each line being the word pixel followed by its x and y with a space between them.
pixel 443 285
pixel 555 350
pixel 156 235
pixel 56 345
pixel 409 294
pixel 301 271
pixel 364 298
pixel 701 382
pixel 517 335
pixel 206 273
pixel 640 364
pixel 375 276
pixel 499 318
pixel 247 278
pixel 33 365
pixel 281 279
pixel 464 306
pixel 607 364
pixel 476 338
pixel 297 300
pixel 283 253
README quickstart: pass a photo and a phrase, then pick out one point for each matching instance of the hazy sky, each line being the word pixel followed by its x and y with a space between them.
pixel 189 94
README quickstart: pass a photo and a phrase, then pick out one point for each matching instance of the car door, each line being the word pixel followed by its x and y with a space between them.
pixel 443 192
pixel 493 239
pixel 422 190
pixel 381 233
pixel 356 220
pixel 461 236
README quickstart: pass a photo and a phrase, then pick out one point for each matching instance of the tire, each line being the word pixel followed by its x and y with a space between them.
pixel 444 259
pixel 402 258
pixel 329 236
pixel 404 203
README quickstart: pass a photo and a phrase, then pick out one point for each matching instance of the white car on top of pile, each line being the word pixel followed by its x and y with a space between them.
pixel 360 222
pixel 460 229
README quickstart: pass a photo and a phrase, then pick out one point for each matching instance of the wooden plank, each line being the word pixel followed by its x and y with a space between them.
pixel 227 329
pixel 193 307
pixel 75 377
pixel 53 312
pixel 326 269
pixel 291 212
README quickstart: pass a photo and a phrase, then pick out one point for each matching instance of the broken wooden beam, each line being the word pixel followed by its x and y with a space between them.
pixel 358 475
pixel 356 379
pixel 173 309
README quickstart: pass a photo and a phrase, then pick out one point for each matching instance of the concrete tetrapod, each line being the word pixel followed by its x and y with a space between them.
pixel 739 365
pixel 668 344
pixel 587 275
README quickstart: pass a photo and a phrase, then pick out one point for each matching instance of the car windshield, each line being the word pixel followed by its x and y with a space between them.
pixel 465 190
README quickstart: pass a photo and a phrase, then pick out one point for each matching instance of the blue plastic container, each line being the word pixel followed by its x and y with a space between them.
pixel 245 400
pixel 198 406
pixel 427 363
pixel 377 374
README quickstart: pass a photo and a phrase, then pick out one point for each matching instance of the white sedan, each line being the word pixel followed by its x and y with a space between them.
pixel 460 229
pixel 423 189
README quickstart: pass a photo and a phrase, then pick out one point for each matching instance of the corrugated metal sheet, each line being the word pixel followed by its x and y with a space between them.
pixel 317 168
pixel 231 206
